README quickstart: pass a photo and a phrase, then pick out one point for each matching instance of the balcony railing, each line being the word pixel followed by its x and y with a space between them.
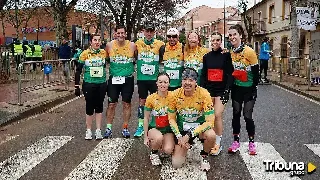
pixel 259 27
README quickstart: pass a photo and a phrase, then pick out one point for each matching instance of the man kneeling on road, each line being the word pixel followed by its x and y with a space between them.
pixel 191 115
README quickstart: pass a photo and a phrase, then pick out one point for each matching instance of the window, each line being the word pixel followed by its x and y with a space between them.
pixel 256 47
pixel 271 44
pixel 271 14
pixel 286 9
pixel 284 47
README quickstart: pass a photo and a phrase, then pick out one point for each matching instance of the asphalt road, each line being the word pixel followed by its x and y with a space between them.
pixel 52 145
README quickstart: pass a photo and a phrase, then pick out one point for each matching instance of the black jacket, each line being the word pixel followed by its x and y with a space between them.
pixel 217 60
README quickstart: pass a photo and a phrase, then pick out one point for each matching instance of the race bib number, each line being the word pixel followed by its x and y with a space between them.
pixel 148 69
pixel 215 75
pixel 118 80
pixel 188 126
pixel 173 74
pixel 162 121
pixel 96 71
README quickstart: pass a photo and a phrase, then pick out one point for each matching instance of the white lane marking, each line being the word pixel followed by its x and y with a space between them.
pixel 306 98
pixel 265 151
pixel 190 169
pixel 17 165
pixel 315 148
pixel 103 161
pixel 8 138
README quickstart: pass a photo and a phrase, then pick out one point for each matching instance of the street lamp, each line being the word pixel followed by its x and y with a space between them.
pixel 88 27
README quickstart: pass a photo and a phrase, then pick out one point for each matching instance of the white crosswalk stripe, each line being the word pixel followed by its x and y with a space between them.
pixel 315 148
pixel 265 151
pixel 23 161
pixel 103 161
pixel 190 169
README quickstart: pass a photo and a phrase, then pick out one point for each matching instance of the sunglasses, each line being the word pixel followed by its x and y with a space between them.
pixel 172 36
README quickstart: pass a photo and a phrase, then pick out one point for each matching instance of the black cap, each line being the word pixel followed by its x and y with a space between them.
pixel 150 26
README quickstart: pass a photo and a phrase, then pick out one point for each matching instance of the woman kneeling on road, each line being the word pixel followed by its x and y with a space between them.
pixel 94 87
pixel 191 115
pixel 159 134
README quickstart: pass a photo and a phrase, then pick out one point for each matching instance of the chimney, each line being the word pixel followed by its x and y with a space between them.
pixel 254 2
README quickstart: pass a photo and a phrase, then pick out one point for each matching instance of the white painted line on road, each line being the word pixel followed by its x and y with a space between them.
pixel 103 161
pixel 23 161
pixel 315 148
pixel 190 169
pixel 255 165
pixel 8 138
pixel 306 98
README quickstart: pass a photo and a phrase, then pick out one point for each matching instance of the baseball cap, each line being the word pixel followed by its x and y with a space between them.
pixel 173 31
pixel 150 26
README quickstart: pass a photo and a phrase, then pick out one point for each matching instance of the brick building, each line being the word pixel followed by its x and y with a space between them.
pixel 41 25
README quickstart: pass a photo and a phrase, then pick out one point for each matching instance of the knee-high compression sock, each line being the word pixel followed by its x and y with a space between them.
pixel 141 115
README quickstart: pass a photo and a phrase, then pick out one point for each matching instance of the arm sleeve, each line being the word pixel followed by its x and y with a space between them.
pixel 254 67
pixel 172 112
pixel 208 112
pixel 229 70
pixel 148 105
pixel 161 53
pixel 79 68
pixel 203 76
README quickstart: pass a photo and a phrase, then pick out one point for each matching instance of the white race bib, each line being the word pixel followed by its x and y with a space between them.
pixel 96 71
pixel 173 74
pixel 188 126
pixel 118 80
pixel 147 69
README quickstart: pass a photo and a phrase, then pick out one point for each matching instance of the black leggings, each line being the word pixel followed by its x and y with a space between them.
pixel 264 68
pixel 94 95
pixel 241 95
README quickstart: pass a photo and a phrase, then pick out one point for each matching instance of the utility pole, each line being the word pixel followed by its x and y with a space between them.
pixel 16 17
pixel 101 21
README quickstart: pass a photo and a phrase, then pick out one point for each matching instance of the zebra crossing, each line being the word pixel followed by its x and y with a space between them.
pixel 103 161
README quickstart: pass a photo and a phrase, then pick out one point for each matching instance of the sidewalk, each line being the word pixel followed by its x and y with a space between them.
pixel 296 84
pixel 32 102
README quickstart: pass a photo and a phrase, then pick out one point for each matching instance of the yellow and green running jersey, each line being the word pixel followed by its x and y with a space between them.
pixel 195 113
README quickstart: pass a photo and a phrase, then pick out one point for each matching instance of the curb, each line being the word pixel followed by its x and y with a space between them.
pixel 37 109
pixel 296 91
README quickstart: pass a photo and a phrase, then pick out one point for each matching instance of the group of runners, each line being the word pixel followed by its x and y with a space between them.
pixel 178 104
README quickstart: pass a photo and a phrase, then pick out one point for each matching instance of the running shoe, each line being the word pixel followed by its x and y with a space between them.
pixel 234 147
pixel 125 133
pixel 252 149
pixel 88 134
pixel 216 150
pixel 155 160
pixel 205 165
pixel 108 133
pixel 98 134
pixel 139 132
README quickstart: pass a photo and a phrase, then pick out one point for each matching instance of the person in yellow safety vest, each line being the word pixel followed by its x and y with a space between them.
pixel 28 53
pixel 17 52
pixel 37 52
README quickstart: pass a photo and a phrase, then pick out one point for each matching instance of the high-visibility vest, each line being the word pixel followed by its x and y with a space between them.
pixel 18 50
pixel 37 51
pixel 29 51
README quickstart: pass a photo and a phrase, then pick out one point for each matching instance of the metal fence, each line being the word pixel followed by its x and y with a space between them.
pixel 35 75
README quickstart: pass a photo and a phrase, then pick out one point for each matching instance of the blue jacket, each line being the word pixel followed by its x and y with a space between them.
pixel 264 51
pixel 64 51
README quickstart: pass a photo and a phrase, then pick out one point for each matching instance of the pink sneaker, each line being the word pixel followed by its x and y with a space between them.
pixel 252 149
pixel 235 146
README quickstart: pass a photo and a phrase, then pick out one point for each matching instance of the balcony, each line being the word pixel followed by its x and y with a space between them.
pixel 259 27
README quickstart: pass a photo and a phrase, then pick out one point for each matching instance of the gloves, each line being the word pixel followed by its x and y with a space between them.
pixel 77 91
pixel 225 97
pixel 254 92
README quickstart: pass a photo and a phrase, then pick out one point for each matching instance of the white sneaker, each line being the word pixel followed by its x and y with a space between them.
pixel 155 160
pixel 88 134
pixel 98 134
pixel 205 165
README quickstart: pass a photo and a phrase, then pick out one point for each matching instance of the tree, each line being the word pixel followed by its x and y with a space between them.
pixel 243 8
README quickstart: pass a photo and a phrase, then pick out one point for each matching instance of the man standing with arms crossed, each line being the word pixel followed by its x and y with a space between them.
pixel 171 55
pixel 121 80
pixel 147 70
